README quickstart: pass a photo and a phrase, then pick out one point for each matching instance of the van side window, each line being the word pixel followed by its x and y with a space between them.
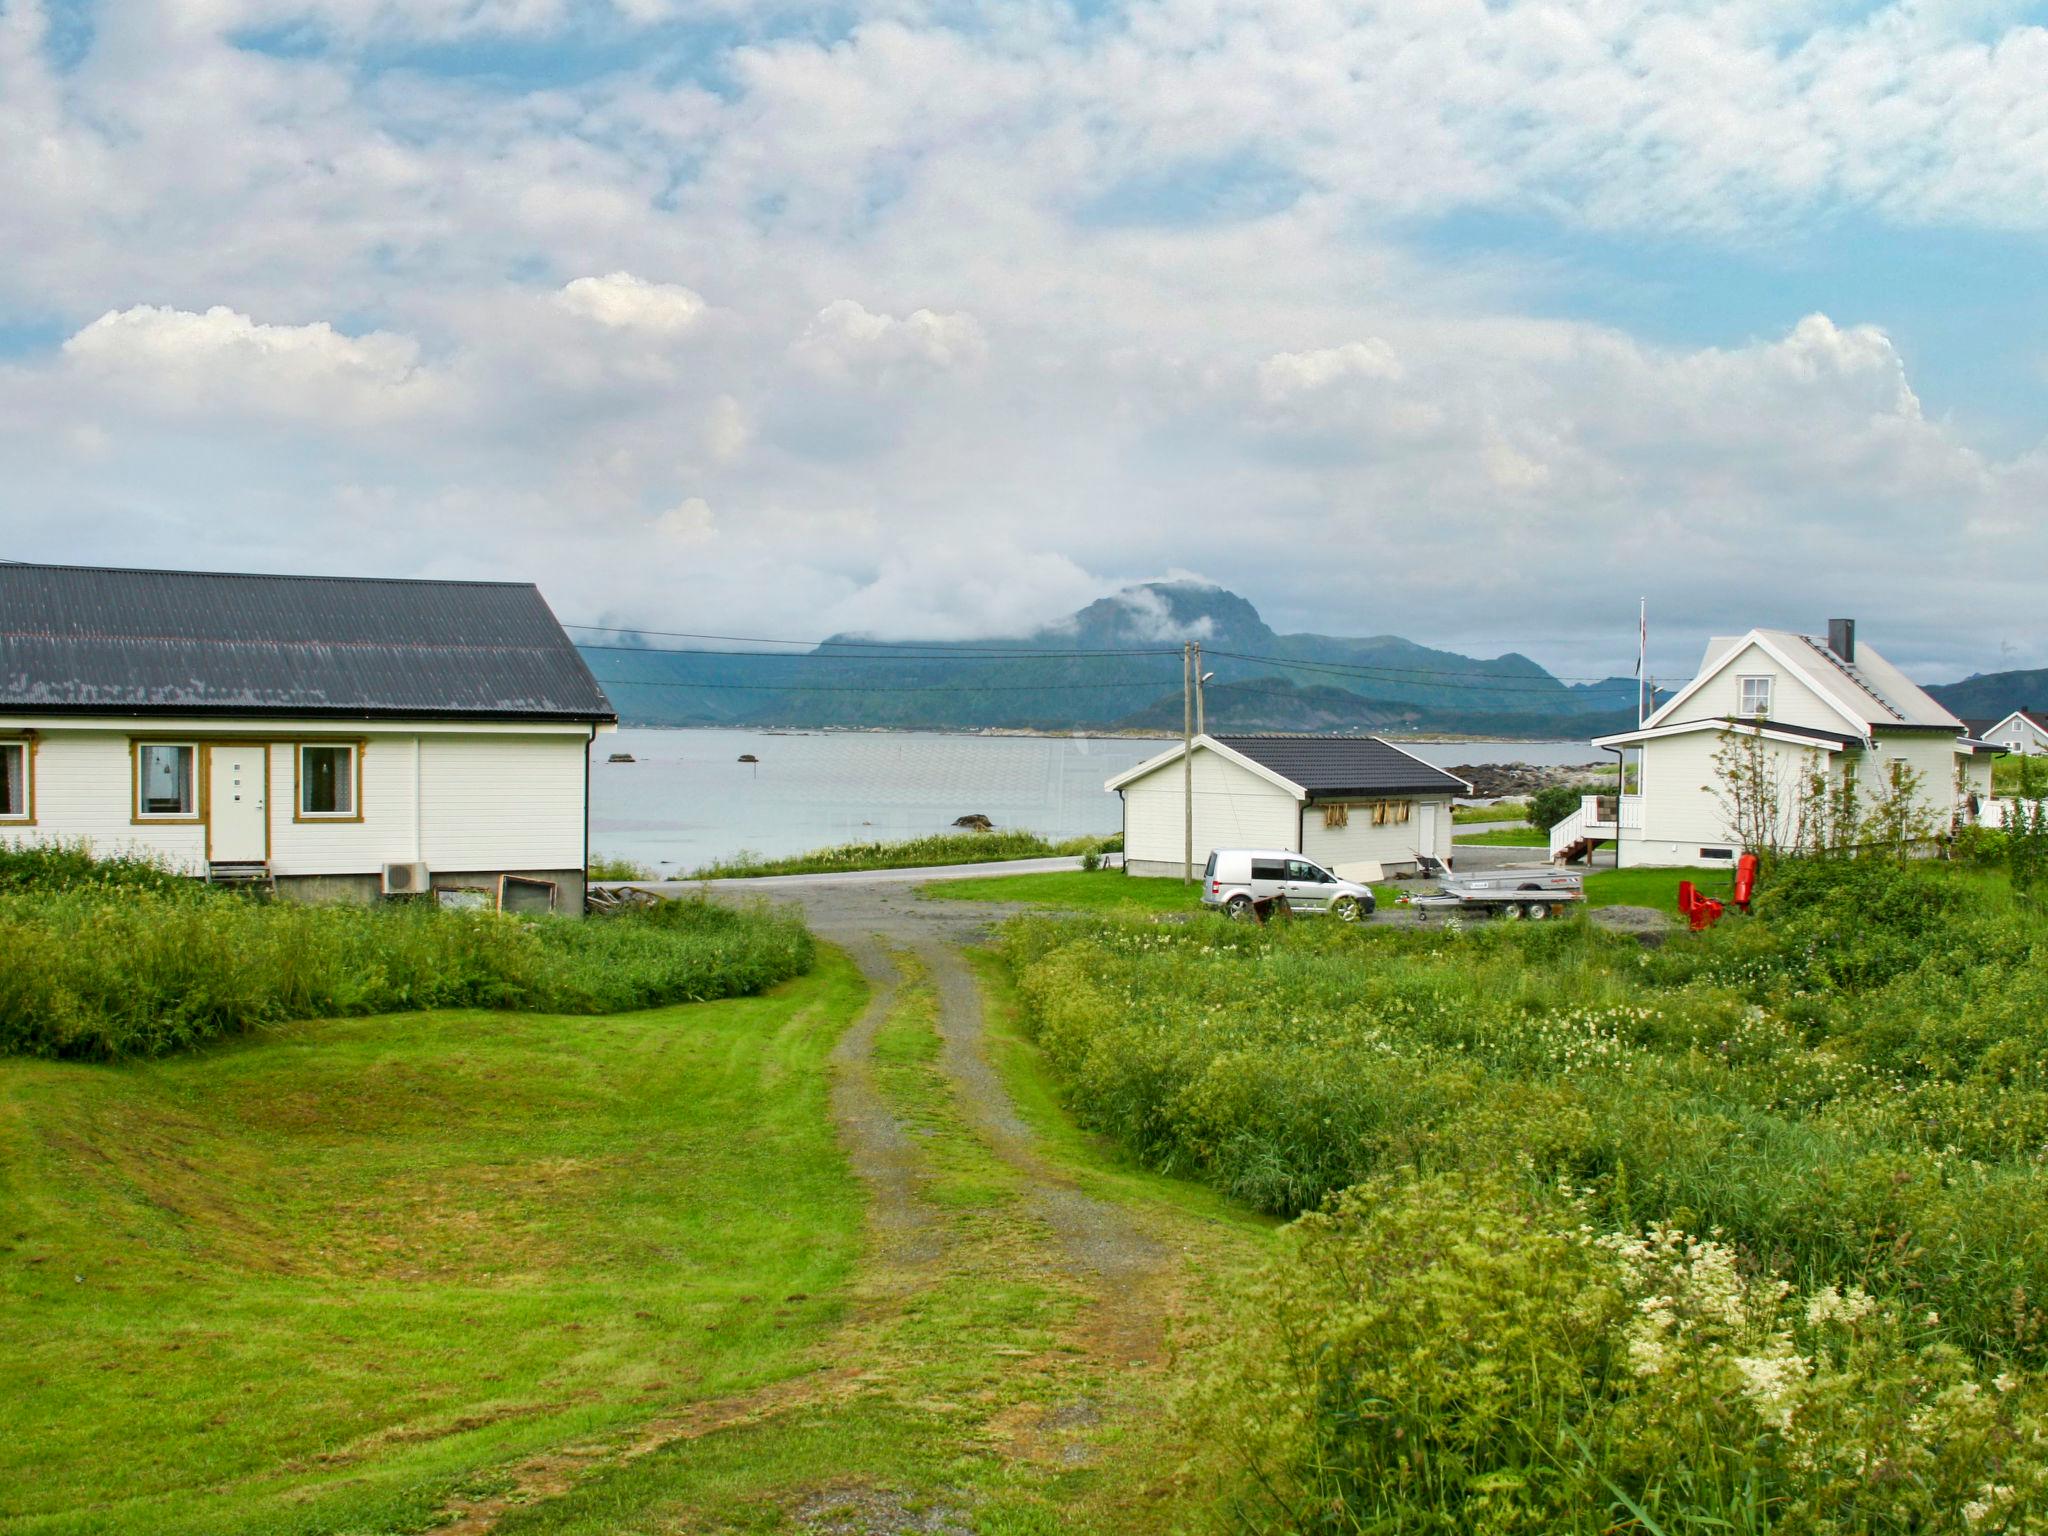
pixel 1301 869
pixel 1268 869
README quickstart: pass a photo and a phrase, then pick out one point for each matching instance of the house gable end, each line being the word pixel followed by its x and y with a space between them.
pixel 1796 697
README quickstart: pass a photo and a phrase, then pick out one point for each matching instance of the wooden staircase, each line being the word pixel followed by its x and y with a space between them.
pixel 1577 852
pixel 251 876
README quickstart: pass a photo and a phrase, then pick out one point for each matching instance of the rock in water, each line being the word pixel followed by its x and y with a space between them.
pixel 621 757
pixel 975 823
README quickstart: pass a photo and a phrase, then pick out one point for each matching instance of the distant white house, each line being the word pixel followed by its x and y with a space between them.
pixel 334 737
pixel 1333 799
pixel 1829 705
pixel 2024 731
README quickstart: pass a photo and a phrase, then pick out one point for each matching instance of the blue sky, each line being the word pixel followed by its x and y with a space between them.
pixel 1471 320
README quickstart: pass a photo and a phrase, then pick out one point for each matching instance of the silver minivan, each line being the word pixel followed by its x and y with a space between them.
pixel 1235 878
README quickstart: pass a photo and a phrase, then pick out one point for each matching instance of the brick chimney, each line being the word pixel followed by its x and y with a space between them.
pixel 1842 638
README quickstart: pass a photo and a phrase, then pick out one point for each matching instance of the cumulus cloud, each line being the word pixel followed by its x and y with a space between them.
pixel 1231 326
pixel 846 339
pixel 1285 375
pixel 177 359
pixel 622 302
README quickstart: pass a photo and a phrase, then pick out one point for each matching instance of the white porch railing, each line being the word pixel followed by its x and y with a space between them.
pixel 1601 816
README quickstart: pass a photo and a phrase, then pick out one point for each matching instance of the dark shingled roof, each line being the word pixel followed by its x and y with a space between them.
pixel 1331 767
pixel 84 640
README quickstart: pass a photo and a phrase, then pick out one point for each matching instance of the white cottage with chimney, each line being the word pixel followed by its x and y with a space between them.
pixel 1829 705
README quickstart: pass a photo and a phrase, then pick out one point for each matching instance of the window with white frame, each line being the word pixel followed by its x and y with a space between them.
pixel 14 770
pixel 327 781
pixel 1756 696
pixel 166 780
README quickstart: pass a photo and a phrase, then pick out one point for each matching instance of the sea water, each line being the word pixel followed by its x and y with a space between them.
pixel 687 799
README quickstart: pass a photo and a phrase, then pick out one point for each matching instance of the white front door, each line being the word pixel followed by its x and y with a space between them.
pixel 1425 838
pixel 237 803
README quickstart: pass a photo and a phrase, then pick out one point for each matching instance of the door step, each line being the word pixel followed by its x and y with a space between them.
pixel 243 876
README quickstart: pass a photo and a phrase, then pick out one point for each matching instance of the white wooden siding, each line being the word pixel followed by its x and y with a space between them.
pixel 485 802
pixel 1427 829
pixel 1234 808
pixel 1794 701
pixel 502 804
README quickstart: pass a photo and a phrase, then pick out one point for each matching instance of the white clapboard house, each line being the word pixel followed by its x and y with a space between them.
pixel 339 737
pixel 1828 704
pixel 1334 799
pixel 2024 731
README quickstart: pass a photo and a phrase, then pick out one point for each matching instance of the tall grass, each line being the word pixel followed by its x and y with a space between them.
pixel 99 974
pixel 914 853
pixel 1846 1097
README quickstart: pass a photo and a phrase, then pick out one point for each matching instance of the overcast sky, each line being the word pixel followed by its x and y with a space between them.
pixel 1469 320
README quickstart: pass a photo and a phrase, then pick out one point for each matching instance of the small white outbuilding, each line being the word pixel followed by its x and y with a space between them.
pixel 1334 799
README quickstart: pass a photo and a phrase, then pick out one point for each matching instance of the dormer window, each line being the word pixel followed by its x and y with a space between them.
pixel 1756 697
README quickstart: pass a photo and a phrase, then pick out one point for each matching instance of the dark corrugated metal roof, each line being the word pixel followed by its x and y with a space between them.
pixel 1330 766
pixel 81 639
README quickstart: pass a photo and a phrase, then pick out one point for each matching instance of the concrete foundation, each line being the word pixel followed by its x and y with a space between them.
pixel 362 890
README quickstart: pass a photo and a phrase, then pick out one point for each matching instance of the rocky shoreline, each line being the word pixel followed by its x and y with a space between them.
pixel 1496 781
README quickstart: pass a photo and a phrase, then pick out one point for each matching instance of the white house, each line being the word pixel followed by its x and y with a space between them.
pixel 1827 705
pixel 2024 731
pixel 331 735
pixel 1334 799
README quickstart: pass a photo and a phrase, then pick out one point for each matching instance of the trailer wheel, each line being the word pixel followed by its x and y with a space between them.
pixel 1536 911
pixel 1511 913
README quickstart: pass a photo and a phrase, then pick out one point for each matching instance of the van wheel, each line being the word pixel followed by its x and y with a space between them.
pixel 1346 909
pixel 1238 908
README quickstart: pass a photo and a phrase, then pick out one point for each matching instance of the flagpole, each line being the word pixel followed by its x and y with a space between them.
pixel 1642 657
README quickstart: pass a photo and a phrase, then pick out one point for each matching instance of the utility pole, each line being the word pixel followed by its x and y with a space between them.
pixel 1201 722
pixel 1187 760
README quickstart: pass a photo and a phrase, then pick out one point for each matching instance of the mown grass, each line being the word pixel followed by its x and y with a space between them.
pixel 1654 887
pixel 1500 810
pixel 103 970
pixel 333 1279
pixel 940 848
pixel 1843 1099
pixel 1507 837
pixel 1074 890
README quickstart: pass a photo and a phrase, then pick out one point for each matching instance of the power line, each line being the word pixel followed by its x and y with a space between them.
pixel 979 658
pixel 628 682
pixel 1400 675
pixel 939 648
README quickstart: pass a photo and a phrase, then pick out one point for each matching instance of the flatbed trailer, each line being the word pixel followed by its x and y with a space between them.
pixel 1508 893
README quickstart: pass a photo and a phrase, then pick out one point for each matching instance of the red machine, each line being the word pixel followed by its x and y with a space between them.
pixel 1745 880
pixel 1700 911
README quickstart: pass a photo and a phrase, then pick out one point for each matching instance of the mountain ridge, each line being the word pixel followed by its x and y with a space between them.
pixel 1100 668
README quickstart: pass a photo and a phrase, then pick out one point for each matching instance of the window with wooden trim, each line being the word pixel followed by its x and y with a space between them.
pixel 166 781
pixel 328 788
pixel 17 801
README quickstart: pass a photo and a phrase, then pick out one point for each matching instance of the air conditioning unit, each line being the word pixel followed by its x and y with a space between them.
pixel 405 879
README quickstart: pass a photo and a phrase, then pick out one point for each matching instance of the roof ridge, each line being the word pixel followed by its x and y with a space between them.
pixel 1821 649
pixel 166 570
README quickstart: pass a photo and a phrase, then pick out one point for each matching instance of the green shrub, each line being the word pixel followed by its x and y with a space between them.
pixel 605 866
pixel 1552 803
pixel 1465 1354
pixel 72 866
pixel 99 975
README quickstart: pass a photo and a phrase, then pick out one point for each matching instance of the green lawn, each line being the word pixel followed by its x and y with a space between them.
pixel 1076 890
pixel 1500 810
pixel 1654 887
pixel 1506 837
pixel 331 1276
